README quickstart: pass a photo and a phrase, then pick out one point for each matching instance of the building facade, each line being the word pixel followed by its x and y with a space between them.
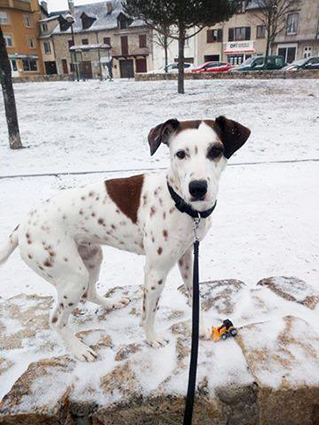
pixel 300 38
pixel 100 41
pixel 19 23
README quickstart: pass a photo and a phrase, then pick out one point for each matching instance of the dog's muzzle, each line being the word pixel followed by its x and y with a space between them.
pixel 198 189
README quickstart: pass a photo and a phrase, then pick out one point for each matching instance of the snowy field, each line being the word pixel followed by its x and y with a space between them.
pixel 266 222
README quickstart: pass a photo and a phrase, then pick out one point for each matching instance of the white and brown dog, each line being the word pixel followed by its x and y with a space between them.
pixel 61 240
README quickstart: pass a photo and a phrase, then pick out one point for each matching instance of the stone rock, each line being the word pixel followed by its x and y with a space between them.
pixel 267 375
pixel 126 351
pixel 292 289
pixel 220 295
pixel 32 313
pixel 285 365
pixel 40 395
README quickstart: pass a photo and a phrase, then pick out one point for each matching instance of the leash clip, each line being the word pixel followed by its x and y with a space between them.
pixel 196 226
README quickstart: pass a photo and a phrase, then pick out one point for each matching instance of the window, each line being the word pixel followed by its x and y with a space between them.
pixel 261 31
pixel 142 40
pixel 29 65
pixel 241 7
pixel 122 23
pixel 4 20
pixel 47 47
pixel 44 27
pixel 107 40
pixel 214 35
pixel 307 52
pixel 8 40
pixel 292 23
pixel 85 41
pixel 31 42
pixel 124 45
pixel 239 34
pixel 70 43
pixel 288 53
pixel 27 21
pixel 14 65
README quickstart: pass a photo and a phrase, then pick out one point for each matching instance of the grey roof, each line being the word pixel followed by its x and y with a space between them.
pixel 103 21
pixel 254 4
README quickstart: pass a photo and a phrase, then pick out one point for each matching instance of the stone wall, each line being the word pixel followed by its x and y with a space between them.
pixel 267 375
pixel 42 78
pixel 258 75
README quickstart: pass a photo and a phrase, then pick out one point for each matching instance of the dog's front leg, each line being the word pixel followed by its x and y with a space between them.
pixel 185 264
pixel 154 281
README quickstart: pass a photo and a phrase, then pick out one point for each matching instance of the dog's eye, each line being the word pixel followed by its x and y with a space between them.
pixel 215 152
pixel 181 154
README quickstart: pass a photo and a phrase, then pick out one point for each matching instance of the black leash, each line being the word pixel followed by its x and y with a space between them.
pixel 183 207
pixel 189 404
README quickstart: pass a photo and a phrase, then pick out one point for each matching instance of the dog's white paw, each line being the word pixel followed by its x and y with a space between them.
pixel 156 341
pixel 83 352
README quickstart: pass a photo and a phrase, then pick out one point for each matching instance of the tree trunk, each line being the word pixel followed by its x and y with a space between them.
pixel 181 45
pixel 166 51
pixel 267 47
pixel 8 97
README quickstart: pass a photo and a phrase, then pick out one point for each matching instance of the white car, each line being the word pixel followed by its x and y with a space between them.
pixel 172 68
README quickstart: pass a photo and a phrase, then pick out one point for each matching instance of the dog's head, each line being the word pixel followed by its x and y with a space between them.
pixel 199 151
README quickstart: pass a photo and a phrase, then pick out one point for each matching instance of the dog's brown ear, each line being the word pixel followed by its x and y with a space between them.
pixel 161 133
pixel 232 134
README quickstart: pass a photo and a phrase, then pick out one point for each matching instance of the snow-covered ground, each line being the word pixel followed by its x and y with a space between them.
pixel 266 222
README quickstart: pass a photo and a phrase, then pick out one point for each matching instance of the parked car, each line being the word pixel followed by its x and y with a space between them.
pixel 307 63
pixel 257 64
pixel 171 68
pixel 208 67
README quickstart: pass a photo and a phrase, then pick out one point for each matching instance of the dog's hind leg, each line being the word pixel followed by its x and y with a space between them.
pixel 185 264
pixel 92 257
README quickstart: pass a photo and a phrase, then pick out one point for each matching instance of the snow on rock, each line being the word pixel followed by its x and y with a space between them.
pixel 292 289
pixel 269 374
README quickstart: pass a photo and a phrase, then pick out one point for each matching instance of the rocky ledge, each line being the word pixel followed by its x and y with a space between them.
pixel 267 375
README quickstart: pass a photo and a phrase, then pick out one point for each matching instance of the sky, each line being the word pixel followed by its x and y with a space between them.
pixel 54 5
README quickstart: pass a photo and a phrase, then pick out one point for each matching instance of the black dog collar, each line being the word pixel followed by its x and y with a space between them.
pixel 183 207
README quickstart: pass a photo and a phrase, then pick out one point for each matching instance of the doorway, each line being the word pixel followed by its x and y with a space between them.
pixel 127 68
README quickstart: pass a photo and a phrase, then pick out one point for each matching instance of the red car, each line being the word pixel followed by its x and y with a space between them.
pixel 211 67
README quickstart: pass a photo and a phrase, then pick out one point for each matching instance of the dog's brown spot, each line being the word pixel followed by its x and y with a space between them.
pixel 91 193
pixel 113 226
pixel 160 281
pixel 144 200
pixel 165 234
pixel 187 267
pixel 47 263
pixel 70 304
pixel 61 305
pixel 54 319
pixel 153 211
pixel 196 150
pixel 171 210
pixel 29 241
pixel 30 256
pixel 181 262
pixel 64 217
pixel 117 211
pixel 126 194
pixel 41 268
pixel 164 215
pixel 186 125
pixel 153 239
pixel 81 212
pixel 85 295
pixel 153 288
pixel 93 214
pixel 83 198
pixel 101 221
pixel 51 253
pixel 185 276
pixel 160 250
pixel 65 259
pixel 65 297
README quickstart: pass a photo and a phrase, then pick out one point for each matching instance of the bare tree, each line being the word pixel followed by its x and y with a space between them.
pixel 163 38
pixel 273 15
pixel 182 15
pixel 8 96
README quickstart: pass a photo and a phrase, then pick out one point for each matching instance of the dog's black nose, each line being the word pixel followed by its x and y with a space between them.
pixel 198 189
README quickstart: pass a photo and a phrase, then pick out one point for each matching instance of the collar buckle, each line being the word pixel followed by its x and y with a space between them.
pixel 196 227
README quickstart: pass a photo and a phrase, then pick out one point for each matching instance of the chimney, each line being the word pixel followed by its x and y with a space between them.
pixel 109 7
pixel 44 6
pixel 71 7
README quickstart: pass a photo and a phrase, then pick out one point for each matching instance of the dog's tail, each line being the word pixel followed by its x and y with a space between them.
pixel 10 246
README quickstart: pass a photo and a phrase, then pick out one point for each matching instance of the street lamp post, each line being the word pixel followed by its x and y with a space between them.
pixel 70 19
